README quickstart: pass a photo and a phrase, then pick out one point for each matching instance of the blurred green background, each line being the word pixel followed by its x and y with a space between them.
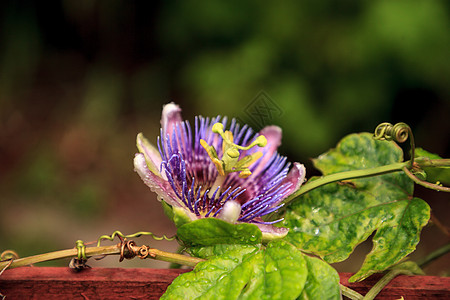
pixel 79 80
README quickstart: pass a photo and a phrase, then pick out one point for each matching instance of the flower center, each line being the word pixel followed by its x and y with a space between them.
pixel 230 162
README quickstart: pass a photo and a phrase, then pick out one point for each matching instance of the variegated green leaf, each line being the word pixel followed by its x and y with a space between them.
pixel 276 272
pixel 322 281
pixel 332 220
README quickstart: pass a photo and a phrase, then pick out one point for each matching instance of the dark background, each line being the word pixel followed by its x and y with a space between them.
pixel 79 80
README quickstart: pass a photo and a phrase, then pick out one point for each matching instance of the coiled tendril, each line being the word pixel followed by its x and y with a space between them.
pixel 137 234
pixel 398 133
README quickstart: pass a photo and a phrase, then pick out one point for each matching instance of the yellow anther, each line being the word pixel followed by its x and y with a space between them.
pixel 213 156
pixel 248 160
pixel 219 166
pixel 245 173
pixel 209 149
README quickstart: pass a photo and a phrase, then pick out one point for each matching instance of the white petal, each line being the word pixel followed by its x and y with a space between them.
pixel 154 182
pixel 152 156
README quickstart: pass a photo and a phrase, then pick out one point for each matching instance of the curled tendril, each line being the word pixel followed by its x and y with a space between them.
pixel 8 254
pixel 398 133
pixel 137 234
pixel 81 250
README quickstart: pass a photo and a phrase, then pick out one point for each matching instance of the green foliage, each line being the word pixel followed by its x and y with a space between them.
pixel 239 265
pixel 332 220
pixel 318 59
pixel 322 281
pixel 212 231
pixel 279 271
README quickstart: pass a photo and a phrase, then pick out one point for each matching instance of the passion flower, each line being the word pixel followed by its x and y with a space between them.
pixel 207 171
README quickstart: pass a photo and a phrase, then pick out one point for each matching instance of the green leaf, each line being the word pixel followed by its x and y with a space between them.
pixel 322 281
pixel 215 250
pixel 212 231
pixel 332 220
pixel 441 174
pixel 206 276
pixel 281 274
pixel 420 152
pixel 276 272
pixel 393 242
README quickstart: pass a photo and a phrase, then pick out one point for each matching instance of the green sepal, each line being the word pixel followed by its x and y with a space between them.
pixel 167 208
pixel 270 236
pixel 180 216
pixel 220 232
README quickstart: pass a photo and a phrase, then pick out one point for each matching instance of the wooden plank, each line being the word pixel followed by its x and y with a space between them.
pixel 106 283
pixel 95 283
pixel 408 287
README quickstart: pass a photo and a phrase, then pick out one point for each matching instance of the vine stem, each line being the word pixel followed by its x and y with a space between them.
pixel 444 229
pixel 376 289
pixel 310 185
pixel 425 183
pixel 349 293
pixel 434 255
pixel 94 251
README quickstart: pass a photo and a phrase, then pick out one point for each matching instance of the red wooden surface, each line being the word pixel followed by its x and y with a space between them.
pixel 95 283
pixel 410 287
pixel 108 283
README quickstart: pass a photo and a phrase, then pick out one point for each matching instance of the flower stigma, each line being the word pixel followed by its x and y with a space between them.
pixel 230 162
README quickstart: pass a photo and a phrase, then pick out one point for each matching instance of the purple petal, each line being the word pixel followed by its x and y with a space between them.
pixel 154 182
pixel 273 136
pixel 171 115
pixel 151 154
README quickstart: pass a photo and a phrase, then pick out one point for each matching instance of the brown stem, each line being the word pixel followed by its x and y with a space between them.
pixel 445 230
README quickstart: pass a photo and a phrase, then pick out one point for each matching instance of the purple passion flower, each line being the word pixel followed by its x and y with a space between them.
pixel 206 171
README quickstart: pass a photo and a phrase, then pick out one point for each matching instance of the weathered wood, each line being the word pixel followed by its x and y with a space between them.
pixel 410 287
pixel 96 283
pixel 106 283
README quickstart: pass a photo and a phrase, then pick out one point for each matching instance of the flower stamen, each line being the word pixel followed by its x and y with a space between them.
pixel 230 162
